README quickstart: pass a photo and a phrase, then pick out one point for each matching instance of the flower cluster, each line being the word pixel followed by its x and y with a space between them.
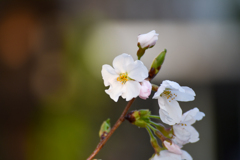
pixel 130 78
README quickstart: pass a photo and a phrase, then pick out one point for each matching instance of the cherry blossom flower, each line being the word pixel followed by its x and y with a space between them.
pixel 124 77
pixel 168 94
pixel 183 131
pixel 167 155
pixel 146 88
pixel 148 39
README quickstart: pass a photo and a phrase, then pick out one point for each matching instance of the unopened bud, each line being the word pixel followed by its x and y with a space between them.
pixel 144 113
pixel 105 129
pixel 157 63
pixel 139 118
pixel 148 40
pixel 145 90
pixel 172 147
pixel 145 41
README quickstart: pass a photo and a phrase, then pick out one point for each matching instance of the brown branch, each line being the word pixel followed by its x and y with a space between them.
pixel 116 125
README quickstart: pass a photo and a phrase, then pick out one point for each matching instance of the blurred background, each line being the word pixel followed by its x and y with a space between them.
pixel 52 99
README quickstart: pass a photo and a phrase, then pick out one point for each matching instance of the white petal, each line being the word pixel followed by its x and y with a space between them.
pixel 189 91
pixel 165 117
pixel 108 74
pixel 115 91
pixel 192 115
pixel 166 155
pixel 137 71
pixel 182 96
pixel 160 90
pixel 182 135
pixel 120 62
pixel 173 85
pixel 161 103
pixel 194 134
pixel 183 93
pixel 186 156
pixel 173 110
pixel 199 116
pixel 132 90
pixel 189 116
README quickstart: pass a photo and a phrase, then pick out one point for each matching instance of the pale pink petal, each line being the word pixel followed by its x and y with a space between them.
pixel 172 147
pixel 146 88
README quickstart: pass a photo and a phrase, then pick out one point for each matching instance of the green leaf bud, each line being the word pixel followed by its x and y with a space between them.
pixel 157 63
pixel 105 129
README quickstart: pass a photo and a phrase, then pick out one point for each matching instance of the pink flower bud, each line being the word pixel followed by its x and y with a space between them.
pixel 172 147
pixel 148 39
pixel 146 88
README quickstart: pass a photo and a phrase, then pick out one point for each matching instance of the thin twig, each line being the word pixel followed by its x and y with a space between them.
pixel 116 125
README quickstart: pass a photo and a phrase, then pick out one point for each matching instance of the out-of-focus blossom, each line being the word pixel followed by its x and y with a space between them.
pixel 124 77
pixel 148 39
pixel 146 88
pixel 183 131
pixel 168 94
pixel 167 155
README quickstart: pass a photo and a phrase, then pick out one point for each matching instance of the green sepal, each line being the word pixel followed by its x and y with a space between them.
pixel 144 113
pixel 167 132
pixel 155 145
pixel 141 51
pixel 139 118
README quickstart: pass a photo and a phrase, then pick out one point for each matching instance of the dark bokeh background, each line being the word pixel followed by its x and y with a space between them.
pixel 52 99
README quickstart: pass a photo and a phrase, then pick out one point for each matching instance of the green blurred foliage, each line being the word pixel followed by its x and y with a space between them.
pixel 63 128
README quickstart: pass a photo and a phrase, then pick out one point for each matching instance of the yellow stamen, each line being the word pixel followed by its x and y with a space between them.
pixel 123 77
pixel 169 94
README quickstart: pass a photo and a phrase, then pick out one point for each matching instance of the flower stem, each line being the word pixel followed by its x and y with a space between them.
pixel 154 116
pixel 116 125
pixel 153 123
pixel 155 87
pixel 152 128
pixel 150 132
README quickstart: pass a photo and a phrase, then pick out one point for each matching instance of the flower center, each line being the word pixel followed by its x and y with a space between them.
pixel 123 77
pixel 182 124
pixel 169 95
